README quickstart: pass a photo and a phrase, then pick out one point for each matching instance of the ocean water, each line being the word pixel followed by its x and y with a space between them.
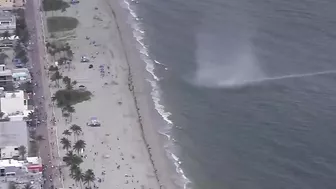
pixel 246 89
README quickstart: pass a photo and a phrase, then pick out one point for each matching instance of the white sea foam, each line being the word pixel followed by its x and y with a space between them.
pixel 156 98
pixel 138 34
pixel 157 62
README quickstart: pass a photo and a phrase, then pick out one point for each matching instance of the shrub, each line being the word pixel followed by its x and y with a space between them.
pixel 61 23
pixel 54 5
pixel 71 96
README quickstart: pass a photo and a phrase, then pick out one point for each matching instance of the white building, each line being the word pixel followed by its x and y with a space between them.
pixel 15 104
pixel 8 152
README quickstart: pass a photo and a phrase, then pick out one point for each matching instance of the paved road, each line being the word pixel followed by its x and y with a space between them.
pixel 48 147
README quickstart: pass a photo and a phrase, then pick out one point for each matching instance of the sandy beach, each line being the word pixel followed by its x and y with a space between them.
pixel 126 151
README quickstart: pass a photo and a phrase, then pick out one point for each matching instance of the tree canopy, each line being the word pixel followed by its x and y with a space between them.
pixel 79 145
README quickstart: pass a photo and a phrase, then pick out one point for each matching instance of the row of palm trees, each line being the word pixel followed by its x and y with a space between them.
pixel 32 123
pixel 73 160
pixel 67 109
pixel 64 51
pixel 56 76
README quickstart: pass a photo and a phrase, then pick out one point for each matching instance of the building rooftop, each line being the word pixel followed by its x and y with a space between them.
pixel 13 133
pixel 6 73
pixel 11 163
pixel 6 15
pixel 14 103
pixel 9 4
pixel 19 173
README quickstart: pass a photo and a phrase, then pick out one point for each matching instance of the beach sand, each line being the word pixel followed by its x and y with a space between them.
pixel 126 151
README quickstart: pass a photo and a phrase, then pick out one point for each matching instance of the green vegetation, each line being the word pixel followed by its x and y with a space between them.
pixel 21 26
pixel 61 23
pixel 63 50
pixel 28 186
pixel 77 175
pixel 70 96
pixel 20 52
pixel 54 5
pixel 68 83
pixel 79 146
pixel 56 76
pixel 66 143
pixel 33 148
pixel 73 161
pixel 76 130
pixel 27 86
pixel 11 185
pixel 22 151
pixel 5 34
pixel 67 133
pixel 89 177
pixel 53 68
pixel 67 111
pixel 3 57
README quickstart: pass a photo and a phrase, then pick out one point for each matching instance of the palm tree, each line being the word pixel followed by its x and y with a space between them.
pixel 6 34
pixel 72 159
pixel 30 116
pixel 12 185
pixel 52 52
pixel 68 83
pixel 76 130
pixel 68 109
pixel 66 143
pixel 73 168
pixel 53 68
pixel 38 139
pixel 28 186
pixel 68 158
pixel 22 151
pixel 66 132
pixel 73 83
pixel 79 146
pixel 89 177
pixel 78 176
pixel 48 45
pixel 56 77
pixel 66 80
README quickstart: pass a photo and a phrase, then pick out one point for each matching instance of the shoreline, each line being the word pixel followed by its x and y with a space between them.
pixel 131 88
pixel 154 155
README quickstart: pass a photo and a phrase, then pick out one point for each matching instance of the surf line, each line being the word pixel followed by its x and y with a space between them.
pixel 293 76
pixel 132 89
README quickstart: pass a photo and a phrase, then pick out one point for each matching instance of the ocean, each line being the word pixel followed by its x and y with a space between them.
pixel 246 89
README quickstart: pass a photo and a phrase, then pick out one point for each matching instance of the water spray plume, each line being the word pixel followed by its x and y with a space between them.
pixel 232 83
pixel 291 76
